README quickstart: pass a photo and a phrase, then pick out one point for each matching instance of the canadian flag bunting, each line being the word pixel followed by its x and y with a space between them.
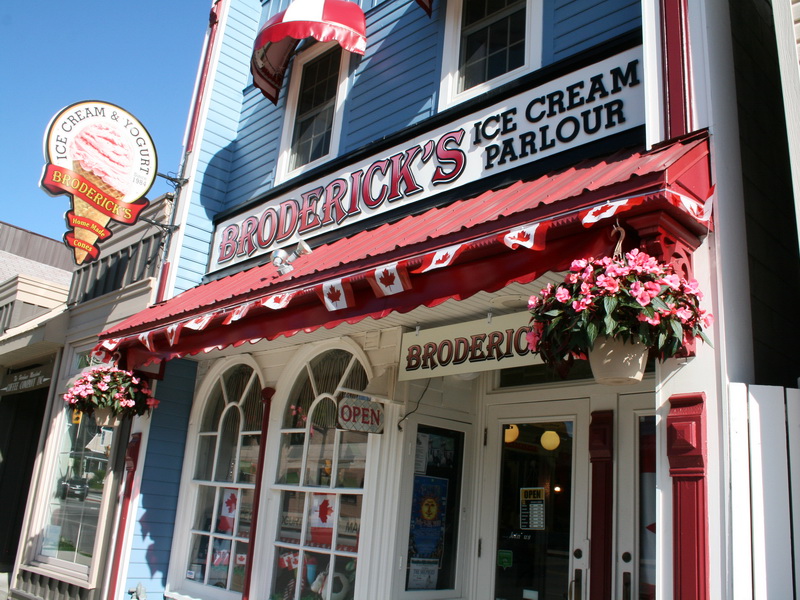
pixel 699 210
pixel 277 301
pixel 237 313
pixel 173 332
pixel 389 280
pixel 441 258
pixel 336 294
pixel 103 355
pixel 609 209
pixel 199 323
pixel 111 344
pixel 147 339
pixel 528 236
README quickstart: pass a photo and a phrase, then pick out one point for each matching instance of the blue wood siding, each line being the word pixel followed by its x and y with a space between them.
pixel 393 86
pixel 216 141
pixel 158 498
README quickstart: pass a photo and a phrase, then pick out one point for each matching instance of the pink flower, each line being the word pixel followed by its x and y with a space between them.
pixel 571 278
pixel 692 287
pixel 672 281
pixel 684 314
pixel 581 304
pixel 102 386
pixel 708 319
pixel 639 292
pixel 562 294
pixel 654 320
pixel 609 284
pixel 533 340
pixel 578 265
pixel 534 302
pixel 152 402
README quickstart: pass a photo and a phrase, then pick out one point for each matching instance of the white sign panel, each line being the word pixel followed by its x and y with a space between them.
pixel 594 102
pixel 360 414
pixel 467 348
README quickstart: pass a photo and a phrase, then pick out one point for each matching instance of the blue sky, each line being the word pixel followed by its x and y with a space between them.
pixel 141 55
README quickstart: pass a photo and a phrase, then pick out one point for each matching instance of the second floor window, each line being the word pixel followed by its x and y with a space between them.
pixel 492 40
pixel 313 109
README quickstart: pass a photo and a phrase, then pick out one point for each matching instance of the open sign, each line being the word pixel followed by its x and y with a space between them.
pixel 359 414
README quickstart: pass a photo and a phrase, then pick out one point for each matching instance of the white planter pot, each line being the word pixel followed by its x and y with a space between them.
pixel 104 417
pixel 617 362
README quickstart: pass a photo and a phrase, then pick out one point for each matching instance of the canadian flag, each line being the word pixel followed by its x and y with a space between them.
pixel 147 339
pixel 441 258
pixel 389 280
pixel 609 209
pixel 277 301
pixel 699 210
pixel 199 323
pixel 173 332
pixel 529 236
pixel 227 512
pixel 336 294
pixel 237 313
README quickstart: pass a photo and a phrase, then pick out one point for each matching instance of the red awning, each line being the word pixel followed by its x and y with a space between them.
pixel 324 20
pixel 508 235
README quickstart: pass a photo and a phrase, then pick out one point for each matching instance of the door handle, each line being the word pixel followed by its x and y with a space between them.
pixel 626 586
pixel 576 585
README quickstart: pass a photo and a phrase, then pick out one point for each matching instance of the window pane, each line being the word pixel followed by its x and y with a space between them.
pixel 329 369
pixel 81 467
pixel 320 448
pixel 492 40
pixel 213 410
pixel 220 563
pixel 226 455
pixel 292 507
pixel 245 513
pixel 248 459
pixel 253 407
pixel 205 508
pixel 320 520
pixel 343 583
pixel 285 573
pixel 236 380
pixel 297 409
pixel 239 566
pixel 205 457
pixel 227 510
pixel 196 568
pixel 290 463
pixel 316 572
pixel 347 535
pixel 315 108
pixel 352 459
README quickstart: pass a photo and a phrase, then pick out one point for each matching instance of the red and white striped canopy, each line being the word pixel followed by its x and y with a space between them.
pixel 338 21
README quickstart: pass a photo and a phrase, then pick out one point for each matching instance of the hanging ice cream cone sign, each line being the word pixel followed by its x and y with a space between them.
pixel 102 157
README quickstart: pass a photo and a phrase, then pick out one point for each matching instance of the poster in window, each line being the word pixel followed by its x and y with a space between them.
pixel 428 514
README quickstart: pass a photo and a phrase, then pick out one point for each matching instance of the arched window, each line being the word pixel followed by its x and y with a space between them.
pixel 319 485
pixel 223 483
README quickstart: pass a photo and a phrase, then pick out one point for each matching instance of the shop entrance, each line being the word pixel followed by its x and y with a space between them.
pixel 537 515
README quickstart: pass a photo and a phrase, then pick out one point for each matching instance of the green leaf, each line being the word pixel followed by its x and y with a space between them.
pixel 610 303
pixel 611 325
pixel 591 333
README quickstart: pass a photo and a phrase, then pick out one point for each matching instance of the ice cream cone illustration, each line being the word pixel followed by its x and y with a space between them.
pixel 101 156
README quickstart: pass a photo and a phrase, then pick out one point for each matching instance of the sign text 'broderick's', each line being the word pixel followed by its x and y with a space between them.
pixel 596 101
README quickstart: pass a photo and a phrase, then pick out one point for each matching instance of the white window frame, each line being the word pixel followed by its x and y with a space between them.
pixel 449 95
pixel 267 527
pixel 466 512
pixel 33 558
pixel 178 587
pixel 283 172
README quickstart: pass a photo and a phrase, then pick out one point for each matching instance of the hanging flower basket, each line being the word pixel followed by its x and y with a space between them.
pixel 615 361
pixel 105 417
pixel 632 300
pixel 111 394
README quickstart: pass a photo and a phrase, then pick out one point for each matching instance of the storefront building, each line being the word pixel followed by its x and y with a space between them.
pixel 349 408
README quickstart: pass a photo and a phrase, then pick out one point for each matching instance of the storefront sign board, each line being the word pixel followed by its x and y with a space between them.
pixel 603 99
pixel 472 347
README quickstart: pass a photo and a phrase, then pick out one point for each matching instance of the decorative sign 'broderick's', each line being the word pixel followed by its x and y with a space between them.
pixel 467 348
pixel 104 158
pixel 600 100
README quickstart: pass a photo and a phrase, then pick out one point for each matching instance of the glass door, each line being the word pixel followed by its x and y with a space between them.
pixel 534 546
pixel 636 522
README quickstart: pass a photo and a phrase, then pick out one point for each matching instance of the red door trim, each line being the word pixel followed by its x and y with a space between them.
pixel 601 456
pixel 687 454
